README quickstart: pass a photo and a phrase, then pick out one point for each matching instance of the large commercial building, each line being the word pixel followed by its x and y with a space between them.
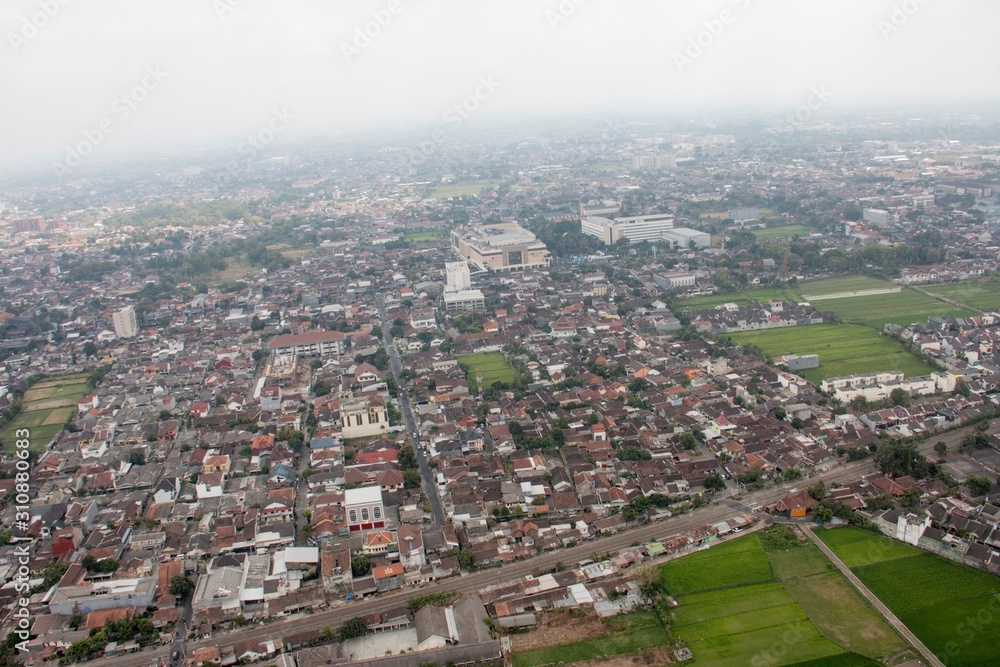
pixel 125 322
pixel 501 247
pixel 634 229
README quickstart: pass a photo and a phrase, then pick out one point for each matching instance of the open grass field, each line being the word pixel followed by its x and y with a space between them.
pixel 626 634
pixel 786 231
pixel 459 189
pixel 902 308
pixel 739 298
pixel 982 295
pixel 783 607
pixel 492 365
pixel 842 284
pixel 843 349
pixel 953 609
pixel 428 235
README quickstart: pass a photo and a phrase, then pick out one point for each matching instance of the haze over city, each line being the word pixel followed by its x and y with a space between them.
pixel 225 66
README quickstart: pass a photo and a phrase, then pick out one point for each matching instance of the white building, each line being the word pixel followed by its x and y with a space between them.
pixel 634 229
pixel 462 301
pixel 125 323
pixel 683 237
pixel 363 417
pixel 458 275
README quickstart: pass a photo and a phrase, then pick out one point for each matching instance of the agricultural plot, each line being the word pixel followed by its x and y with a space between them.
pixel 842 285
pixel 984 296
pixel 843 349
pixel 786 231
pixel 492 365
pixel 46 407
pixel 953 609
pixel 786 607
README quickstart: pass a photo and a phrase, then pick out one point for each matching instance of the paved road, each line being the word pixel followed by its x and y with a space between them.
pixel 882 609
pixel 430 485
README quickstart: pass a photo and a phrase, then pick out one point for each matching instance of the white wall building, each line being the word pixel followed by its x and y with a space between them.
pixel 125 322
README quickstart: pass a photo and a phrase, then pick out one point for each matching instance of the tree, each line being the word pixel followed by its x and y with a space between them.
pixel 136 457
pixel 89 349
pixel 817 491
pixel 687 440
pixel 897 458
pixel 356 627
pixel 797 423
pixel 941 448
pixel 714 482
pixel 180 585
pixel 407 458
pixel 822 513
pixel 974 440
pixel 360 566
pixel 467 559
pixel 779 412
pixel 978 486
pixel 412 479
pixel 899 397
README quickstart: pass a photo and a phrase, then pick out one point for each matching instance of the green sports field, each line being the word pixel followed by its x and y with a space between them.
pixel 786 231
pixel 492 365
pixel 952 608
pixel 427 235
pixel 843 349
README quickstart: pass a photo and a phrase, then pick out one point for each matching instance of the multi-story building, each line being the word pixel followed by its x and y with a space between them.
pixel 364 508
pixel 683 237
pixel 361 417
pixel 310 344
pixel 635 229
pixel 126 325
pixel 500 247
pixel 458 275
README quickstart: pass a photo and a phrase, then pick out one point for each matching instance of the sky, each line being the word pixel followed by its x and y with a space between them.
pixel 107 77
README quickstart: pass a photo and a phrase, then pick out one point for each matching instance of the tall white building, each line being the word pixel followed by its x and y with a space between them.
pixel 125 323
pixel 458 275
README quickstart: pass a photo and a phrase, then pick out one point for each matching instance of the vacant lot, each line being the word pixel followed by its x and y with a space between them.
pixel 801 612
pixel 492 365
pixel 739 298
pixel 953 609
pixel 458 189
pixel 983 295
pixel 428 235
pixel 625 634
pixel 843 284
pixel 843 349
pixel 781 232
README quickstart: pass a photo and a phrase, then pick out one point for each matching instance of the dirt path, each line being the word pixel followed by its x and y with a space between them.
pixel 881 608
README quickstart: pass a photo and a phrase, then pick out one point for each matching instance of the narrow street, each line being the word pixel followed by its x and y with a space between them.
pixel 430 485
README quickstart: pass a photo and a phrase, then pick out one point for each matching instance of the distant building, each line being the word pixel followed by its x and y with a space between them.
pixel 674 279
pixel 500 247
pixel 683 237
pixel 744 214
pixel 606 207
pixel 634 229
pixel 651 162
pixel 876 216
pixel 126 325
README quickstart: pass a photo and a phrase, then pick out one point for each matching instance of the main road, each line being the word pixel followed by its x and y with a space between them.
pixel 719 510
pixel 430 485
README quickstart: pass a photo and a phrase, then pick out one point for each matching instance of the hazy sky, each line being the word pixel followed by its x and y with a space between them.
pixel 199 72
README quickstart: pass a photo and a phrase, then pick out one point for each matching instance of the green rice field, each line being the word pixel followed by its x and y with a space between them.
pixel 742 605
pixel 952 608
pixel 46 407
pixel 982 295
